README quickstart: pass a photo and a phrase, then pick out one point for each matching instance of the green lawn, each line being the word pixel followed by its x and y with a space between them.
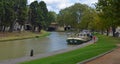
pixel 104 44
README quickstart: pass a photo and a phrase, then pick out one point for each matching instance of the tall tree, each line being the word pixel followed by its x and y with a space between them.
pixel 8 14
pixel 44 12
pixel 38 15
pixel 77 16
pixel 21 11
pixel 2 11
pixel 109 10
pixel 51 17
pixel 33 14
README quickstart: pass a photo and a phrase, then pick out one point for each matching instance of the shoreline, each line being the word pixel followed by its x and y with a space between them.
pixel 28 36
pixel 43 55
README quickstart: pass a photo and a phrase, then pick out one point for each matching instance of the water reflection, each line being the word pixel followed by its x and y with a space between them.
pixel 20 48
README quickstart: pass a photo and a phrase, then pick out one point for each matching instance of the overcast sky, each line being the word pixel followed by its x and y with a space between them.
pixel 57 5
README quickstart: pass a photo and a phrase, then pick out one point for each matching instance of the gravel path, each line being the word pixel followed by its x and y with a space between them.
pixel 28 58
pixel 110 58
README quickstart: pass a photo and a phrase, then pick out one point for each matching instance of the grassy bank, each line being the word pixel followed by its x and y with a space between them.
pixel 22 35
pixel 104 44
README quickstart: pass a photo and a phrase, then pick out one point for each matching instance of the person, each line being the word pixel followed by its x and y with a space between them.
pixel 94 38
pixel 91 36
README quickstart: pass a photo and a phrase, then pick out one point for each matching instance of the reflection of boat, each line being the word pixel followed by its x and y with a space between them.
pixel 78 38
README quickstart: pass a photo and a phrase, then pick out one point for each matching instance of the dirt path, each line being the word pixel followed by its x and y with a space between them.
pixel 28 58
pixel 110 58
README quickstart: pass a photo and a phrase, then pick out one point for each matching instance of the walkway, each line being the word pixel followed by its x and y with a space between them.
pixel 110 58
pixel 28 58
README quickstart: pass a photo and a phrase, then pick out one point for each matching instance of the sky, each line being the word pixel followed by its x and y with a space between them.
pixel 57 5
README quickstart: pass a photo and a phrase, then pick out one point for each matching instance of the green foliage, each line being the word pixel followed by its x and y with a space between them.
pixel 78 16
pixel 44 10
pixel 17 11
pixel 33 12
pixel 109 13
pixel 12 11
pixel 21 11
pixel 51 17
pixel 38 15
pixel 44 14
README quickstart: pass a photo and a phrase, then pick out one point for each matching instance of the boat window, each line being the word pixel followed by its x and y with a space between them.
pixel 80 34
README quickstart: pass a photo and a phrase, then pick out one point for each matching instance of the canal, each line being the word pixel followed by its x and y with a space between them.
pixel 20 48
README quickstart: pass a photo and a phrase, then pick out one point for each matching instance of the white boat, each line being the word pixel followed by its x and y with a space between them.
pixel 78 38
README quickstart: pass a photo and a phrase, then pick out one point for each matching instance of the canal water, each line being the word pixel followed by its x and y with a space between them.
pixel 20 48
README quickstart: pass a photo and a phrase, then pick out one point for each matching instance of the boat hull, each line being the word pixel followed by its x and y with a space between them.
pixel 75 41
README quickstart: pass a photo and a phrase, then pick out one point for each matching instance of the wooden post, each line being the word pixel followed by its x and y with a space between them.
pixel 31 53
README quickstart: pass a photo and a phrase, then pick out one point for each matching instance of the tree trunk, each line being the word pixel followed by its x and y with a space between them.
pixel 107 32
pixel 102 32
pixel 33 28
pixel 11 28
pixel 39 28
pixel 3 28
pixel 113 31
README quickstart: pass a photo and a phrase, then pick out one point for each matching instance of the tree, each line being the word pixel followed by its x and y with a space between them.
pixel 2 12
pixel 38 15
pixel 78 16
pixel 109 10
pixel 7 14
pixel 17 11
pixel 51 17
pixel 11 12
pixel 33 14
pixel 44 12
pixel 21 12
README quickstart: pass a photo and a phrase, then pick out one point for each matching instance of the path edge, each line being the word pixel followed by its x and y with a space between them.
pixel 98 56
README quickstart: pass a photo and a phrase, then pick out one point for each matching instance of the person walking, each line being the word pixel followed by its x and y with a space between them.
pixel 94 38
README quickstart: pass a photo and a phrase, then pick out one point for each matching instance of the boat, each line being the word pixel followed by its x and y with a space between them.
pixel 78 38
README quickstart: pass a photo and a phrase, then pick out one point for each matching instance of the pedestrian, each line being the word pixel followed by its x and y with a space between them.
pixel 91 36
pixel 94 38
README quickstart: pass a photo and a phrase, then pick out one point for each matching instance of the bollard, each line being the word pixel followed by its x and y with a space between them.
pixel 31 53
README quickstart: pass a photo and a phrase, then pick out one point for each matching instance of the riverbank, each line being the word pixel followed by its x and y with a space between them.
pixel 102 45
pixel 21 35
pixel 43 55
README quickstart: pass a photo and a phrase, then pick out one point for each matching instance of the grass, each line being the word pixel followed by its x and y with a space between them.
pixel 22 35
pixel 104 44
